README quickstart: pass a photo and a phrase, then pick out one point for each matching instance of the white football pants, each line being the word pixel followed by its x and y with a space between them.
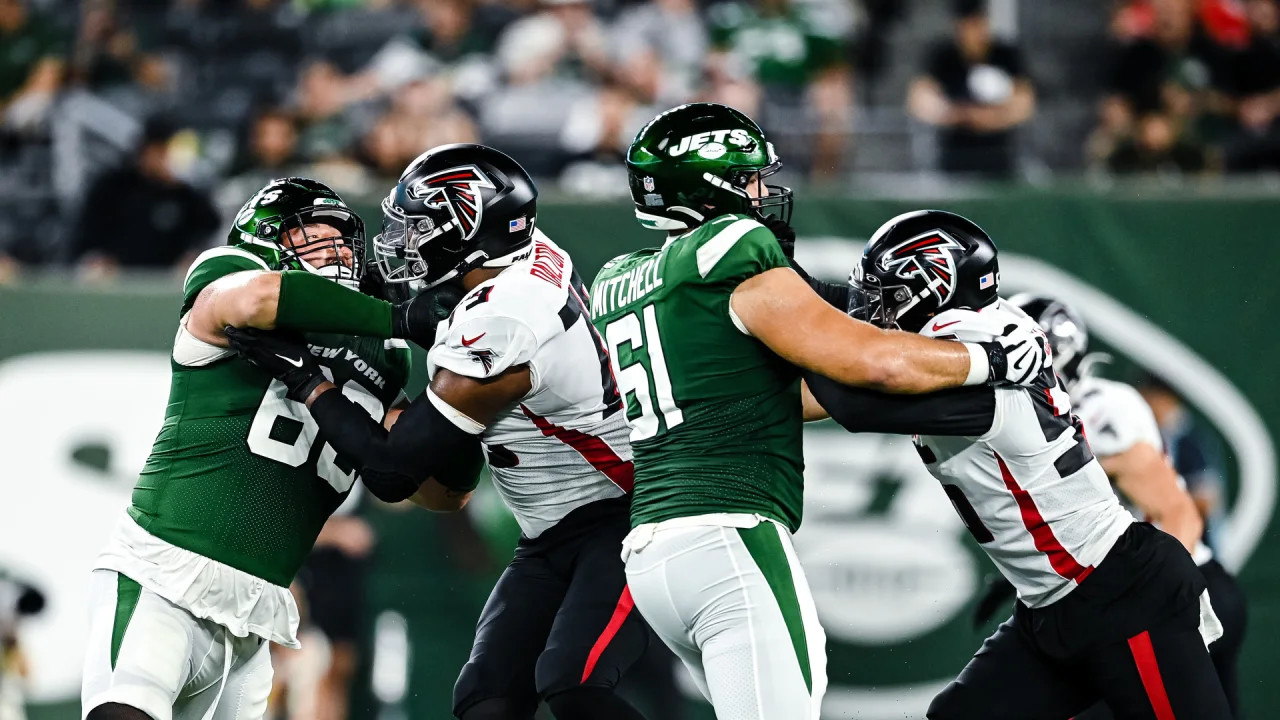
pixel 150 654
pixel 733 604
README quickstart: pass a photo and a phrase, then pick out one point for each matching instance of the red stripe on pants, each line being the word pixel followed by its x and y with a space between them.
pixel 1045 541
pixel 593 449
pixel 620 613
pixel 1144 656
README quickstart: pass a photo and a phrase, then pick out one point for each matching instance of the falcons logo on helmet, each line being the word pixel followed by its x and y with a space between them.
pixel 457 189
pixel 928 257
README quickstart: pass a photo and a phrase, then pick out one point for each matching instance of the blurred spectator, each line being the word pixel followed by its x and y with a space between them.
pixel 422 114
pixel 975 90
pixel 271 146
pixel 1194 451
pixel 32 63
pixel 333 585
pixel 107 52
pixel 660 47
pixel 565 39
pixel 141 215
pixel 1255 88
pixel 322 96
pixel 1157 146
pixel 1172 67
pixel 795 54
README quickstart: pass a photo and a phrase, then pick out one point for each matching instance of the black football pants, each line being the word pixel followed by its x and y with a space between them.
pixel 559 620
pixel 1127 636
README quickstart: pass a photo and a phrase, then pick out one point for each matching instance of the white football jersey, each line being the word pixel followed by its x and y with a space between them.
pixel 565 444
pixel 1116 418
pixel 1029 490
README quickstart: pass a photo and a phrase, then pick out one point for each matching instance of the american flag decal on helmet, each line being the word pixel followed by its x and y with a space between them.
pixel 457 189
pixel 930 257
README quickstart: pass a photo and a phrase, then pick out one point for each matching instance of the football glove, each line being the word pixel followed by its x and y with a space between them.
pixel 785 234
pixel 416 319
pixel 283 356
pixel 1018 355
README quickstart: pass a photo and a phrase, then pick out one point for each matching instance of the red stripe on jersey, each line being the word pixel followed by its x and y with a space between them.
pixel 620 613
pixel 1045 541
pixel 1144 656
pixel 591 448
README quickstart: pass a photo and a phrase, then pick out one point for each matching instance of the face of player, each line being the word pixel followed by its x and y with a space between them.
pixel 756 189
pixel 319 245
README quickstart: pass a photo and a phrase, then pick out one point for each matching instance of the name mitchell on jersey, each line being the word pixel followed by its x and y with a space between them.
pixel 624 289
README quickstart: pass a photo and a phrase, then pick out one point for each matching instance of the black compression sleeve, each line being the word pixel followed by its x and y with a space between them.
pixel 967 411
pixel 393 464
pixel 835 294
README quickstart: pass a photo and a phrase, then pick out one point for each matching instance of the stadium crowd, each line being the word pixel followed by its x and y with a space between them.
pixel 208 98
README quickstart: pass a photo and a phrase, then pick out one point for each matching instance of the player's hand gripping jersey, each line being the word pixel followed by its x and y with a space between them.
pixel 1028 489
pixel 714 414
pixel 237 474
pixel 565 444
pixel 1014 462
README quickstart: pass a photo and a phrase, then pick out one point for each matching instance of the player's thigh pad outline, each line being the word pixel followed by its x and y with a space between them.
pixel 138 650
pixel 219 690
pixel 734 605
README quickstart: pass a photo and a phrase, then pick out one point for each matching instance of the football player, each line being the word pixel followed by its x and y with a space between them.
pixel 193 584
pixel 1108 608
pixel 519 369
pixel 704 333
pixel 1124 436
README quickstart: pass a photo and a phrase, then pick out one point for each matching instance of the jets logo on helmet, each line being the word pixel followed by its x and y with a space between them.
pixel 928 257
pixel 457 189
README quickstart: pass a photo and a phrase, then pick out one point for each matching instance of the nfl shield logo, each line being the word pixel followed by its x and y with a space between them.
pixel 516 225
pixel 648 184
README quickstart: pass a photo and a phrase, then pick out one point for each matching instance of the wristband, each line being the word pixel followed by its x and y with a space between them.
pixel 311 303
pixel 979 365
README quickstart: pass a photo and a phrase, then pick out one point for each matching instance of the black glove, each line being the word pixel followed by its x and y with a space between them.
pixel 416 319
pixel 785 233
pixel 284 356
pixel 997 595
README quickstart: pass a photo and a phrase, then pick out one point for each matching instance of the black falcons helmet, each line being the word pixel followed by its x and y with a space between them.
pixel 456 208
pixel 1068 336
pixel 920 264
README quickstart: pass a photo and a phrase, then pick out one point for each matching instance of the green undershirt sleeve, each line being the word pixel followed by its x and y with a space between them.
pixel 311 303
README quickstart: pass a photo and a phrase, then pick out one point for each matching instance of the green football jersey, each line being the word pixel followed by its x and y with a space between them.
pixel 715 415
pixel 237 473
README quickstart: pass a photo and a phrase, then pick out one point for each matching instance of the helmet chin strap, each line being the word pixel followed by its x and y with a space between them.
pixel 334 272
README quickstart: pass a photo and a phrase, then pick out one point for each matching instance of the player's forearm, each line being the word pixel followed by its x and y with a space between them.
pixel 395 463
pixel 311 303
pixel 1146 478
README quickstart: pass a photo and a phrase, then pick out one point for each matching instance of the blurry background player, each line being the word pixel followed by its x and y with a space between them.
pixel 1193 449
pixel 701 332
pixel 18 601
pixel 1123 435
pixel 519 368
pixel 1108 609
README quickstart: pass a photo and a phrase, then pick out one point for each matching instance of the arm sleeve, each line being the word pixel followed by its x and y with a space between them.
pixel 393 464
pixel 311 303
pixel 966 411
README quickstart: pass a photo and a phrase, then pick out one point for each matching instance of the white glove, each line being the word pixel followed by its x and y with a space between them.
pixel 1015 357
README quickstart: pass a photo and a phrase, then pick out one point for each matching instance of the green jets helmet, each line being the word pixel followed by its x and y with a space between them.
pixel 694 162
pixel 280 225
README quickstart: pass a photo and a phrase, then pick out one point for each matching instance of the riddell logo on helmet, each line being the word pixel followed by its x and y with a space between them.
pixel 738 137
pixel 457 189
